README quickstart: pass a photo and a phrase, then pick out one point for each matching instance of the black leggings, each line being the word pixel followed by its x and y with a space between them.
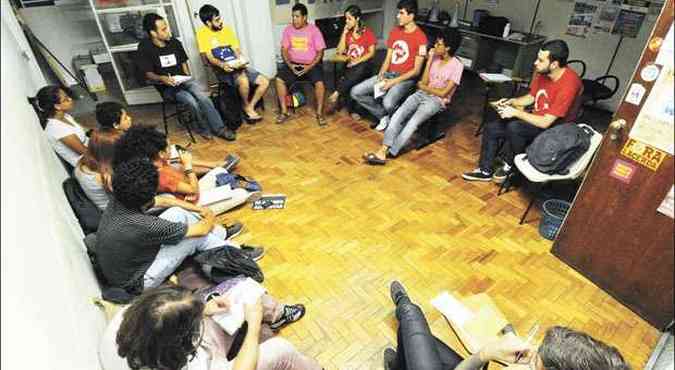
pixel 351 77
pixel 417 348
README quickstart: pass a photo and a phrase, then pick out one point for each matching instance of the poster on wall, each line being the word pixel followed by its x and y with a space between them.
pixel 582 18
pixel 631 17
pixel 604 19
pixel 654 124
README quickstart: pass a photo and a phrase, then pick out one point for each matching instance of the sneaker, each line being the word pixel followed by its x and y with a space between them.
pixel 227 134
pixel 355 116
pixel 390 359
pixel 254 253
pixel 231 162
pixel 477 175
pixel 233 230
pixel 384 122
pixel 502 174
pixel 397 291
pixel 291 314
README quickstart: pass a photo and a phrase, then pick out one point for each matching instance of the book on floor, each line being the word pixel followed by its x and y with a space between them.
pixel 270 201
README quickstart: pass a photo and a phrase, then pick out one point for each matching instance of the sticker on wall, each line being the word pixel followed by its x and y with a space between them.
pixel 655 43
pixel 623 171
pixel 635 94
pixel 649 73
pixel 643 154
pixel 667 207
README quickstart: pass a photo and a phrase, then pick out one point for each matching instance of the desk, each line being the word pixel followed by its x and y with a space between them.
pixel 484 51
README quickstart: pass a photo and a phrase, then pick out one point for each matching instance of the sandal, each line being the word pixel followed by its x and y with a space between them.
pixel 372 160
pixel 321 120
pixel 283 117
pixel 250 119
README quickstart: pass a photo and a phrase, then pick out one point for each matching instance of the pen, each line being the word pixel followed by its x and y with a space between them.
pixel 530 336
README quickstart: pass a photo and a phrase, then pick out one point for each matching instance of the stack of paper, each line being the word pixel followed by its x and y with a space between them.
pixel 246 292
pixel 494 77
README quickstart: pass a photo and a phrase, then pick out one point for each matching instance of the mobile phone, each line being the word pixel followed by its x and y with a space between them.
pixel 298 68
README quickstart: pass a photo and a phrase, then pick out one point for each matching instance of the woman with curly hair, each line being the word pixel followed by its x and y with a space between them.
pixel 65 135
pixel 172 329
pixel 180 180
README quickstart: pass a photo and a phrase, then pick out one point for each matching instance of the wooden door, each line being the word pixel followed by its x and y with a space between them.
pixel 614 234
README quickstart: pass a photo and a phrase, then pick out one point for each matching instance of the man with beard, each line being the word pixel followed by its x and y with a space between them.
pixel 220 45
pixel 161 58
pixel 554 92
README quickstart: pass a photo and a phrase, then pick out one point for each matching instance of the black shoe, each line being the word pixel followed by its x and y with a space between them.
pixel 231 162
pixel 397 291
pixel 233 230
pixel 227 134
pixel 254 253
pixel 390 359
pixel 292 313
pixel 502 174
pixel 477 175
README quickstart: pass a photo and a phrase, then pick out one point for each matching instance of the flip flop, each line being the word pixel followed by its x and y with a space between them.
pixel 283 117
pixel 372 160
pixel 252 119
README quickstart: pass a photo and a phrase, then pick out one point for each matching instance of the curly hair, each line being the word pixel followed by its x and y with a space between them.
pixel 564 348
pixel 139 141
pixel 161 329
pixel 108 114
pixel 135 182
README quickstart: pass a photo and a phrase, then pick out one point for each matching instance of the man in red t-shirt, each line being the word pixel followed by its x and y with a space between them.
pixel 406 49
pixel 554 94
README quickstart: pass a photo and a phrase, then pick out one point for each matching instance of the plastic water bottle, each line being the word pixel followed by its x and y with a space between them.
pixel 507 30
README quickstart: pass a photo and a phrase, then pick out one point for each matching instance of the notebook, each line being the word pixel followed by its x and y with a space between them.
pixel 246 291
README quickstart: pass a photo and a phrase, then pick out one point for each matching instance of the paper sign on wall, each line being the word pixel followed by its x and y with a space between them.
pixel 643 154
pixel 665 55
pixel 667 206
pixel 654 124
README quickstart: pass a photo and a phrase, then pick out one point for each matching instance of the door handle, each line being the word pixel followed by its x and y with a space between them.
pixel 616 128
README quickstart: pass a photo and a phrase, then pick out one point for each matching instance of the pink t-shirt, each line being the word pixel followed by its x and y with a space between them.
pixel 440 74
pixel 302 44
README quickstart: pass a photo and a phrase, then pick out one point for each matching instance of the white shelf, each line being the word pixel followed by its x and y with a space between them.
pixel 136 8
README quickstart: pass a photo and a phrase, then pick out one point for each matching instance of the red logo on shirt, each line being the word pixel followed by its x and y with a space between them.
pixel 541 101
pixel 356 51
pixel 401 52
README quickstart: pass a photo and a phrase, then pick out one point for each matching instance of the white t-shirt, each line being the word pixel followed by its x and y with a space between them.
pixel 203 360
pixel 57 130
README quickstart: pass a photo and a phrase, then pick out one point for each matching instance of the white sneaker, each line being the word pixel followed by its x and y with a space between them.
pixel 384 122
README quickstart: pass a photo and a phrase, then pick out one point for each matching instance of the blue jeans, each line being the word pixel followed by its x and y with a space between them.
pixel 191 94
pixel 170 257
pixel 363 95
pixel 416 109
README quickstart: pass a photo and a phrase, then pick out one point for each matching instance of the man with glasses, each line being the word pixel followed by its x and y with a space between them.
pixel 219 44
pixel 561 349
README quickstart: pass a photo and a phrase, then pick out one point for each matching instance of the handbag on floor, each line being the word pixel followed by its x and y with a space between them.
pixel 226 262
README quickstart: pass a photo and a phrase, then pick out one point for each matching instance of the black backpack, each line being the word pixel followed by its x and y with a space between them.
pixel 85 210
pixel 226 262
pixel 554 150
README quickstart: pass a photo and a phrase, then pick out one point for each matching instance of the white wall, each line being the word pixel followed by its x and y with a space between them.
pixel 48 321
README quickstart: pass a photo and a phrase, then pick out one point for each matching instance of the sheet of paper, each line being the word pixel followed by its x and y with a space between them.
pixel 654 124
pixel 246 292
pixel 666 55
pixel 181 78
pixel 452 309
pixel 215 195
pixel 495 77
pixel 668 205
pixel 377 90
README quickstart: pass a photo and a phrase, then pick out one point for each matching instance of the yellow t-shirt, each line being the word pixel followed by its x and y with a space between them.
pixel 208 40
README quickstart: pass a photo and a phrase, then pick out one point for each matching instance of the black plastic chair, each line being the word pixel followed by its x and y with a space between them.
pixel 596 90
pixel 181 113
pixel 578 66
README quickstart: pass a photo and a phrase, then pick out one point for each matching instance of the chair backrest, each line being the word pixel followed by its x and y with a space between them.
pixel 578 66
pixel 576 110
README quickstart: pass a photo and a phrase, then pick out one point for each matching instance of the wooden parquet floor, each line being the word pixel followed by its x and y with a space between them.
pixel 349 229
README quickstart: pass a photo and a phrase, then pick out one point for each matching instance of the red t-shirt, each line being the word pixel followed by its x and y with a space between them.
pixel 406 47
pixel 356 48
pixel 557 97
